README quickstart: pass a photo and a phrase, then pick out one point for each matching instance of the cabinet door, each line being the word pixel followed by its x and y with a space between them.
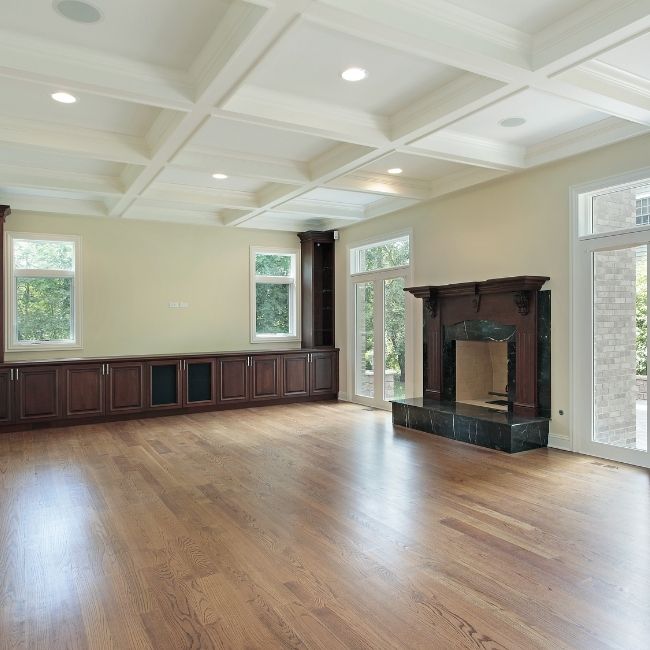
pixel 266 377
pixel 6 396
pixel 38 394
pixel 232 375
pixel 125 393
pixel 200 385
pixel 296 374
pixel 324 373
pixel 165 385
pixel 84 390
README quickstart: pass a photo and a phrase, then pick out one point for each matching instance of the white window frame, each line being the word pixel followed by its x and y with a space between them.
pixel 413 319
pixel 294 294
pixel 583 244
pixel 356 250
pixel 12 344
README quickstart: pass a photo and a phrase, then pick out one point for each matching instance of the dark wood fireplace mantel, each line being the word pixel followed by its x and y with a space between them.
pixel 509 301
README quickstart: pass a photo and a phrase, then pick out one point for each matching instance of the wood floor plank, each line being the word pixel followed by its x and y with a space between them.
pixel 315 525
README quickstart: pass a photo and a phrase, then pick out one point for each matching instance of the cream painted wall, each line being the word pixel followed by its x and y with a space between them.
pixel 133 269
pixel 517 225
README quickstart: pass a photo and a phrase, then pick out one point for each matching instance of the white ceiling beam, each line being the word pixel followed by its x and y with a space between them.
pixel 145 210
pixel 467 149
pixel 323 209
pixel 87 143
pixel 241 38
pixel 382 184
pixel 606 89
pixel 274 170
pixel 436 31
pixel 53 204
pixel 318 118
pixel 444 106
pixel 39 60
pixel 587 138
pixel 186 198
pixel 588 32
pixel 14 176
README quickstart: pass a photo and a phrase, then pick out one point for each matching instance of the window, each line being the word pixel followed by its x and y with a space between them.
pixel 274 295
pixel 43 291
pixel 389 254
pixel 643 211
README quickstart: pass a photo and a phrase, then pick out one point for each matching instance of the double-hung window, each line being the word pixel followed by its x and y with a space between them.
pixel 43 291
pixel 274 295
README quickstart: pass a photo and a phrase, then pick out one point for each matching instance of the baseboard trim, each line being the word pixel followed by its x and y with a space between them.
pixel 559 442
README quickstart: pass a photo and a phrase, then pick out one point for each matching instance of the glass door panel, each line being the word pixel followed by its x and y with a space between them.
pixel 620 348
pixel 394 335
pixel 364 364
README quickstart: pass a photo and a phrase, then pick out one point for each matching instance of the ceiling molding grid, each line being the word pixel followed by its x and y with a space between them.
pixel 252 91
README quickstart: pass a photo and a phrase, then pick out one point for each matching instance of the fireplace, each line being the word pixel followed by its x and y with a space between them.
pixel 482 374
pixel 486 362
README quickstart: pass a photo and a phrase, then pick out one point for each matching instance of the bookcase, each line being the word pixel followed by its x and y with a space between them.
pixel 317 271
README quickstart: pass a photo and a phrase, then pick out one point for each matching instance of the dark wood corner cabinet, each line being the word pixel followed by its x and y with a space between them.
pixel 64 392
pixel 317 262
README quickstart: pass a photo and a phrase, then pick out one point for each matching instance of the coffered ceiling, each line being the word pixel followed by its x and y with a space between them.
pixel 169 93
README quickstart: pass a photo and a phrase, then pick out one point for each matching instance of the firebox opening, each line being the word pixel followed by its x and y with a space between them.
pixel 482 373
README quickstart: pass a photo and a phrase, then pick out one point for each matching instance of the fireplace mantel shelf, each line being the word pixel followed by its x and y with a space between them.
pixel 499 285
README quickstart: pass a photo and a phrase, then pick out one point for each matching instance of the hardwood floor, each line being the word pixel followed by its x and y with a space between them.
pixel 314 526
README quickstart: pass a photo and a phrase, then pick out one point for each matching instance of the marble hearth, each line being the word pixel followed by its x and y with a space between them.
pixel 476 425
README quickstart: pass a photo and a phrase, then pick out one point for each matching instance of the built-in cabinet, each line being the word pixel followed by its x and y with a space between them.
pixel 38 392
pixel 125 387
pixel 233 380
pixel 317 282
pixel 75 390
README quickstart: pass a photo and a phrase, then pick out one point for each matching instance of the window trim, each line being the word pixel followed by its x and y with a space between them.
pixel 414 318
pixel 11 342
pixel 294 295
pixel 355 249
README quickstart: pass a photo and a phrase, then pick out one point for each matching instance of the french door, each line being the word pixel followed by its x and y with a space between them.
pixel 611 346
pixel 380 337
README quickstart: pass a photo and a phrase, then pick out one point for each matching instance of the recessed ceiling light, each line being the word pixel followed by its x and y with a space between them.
pixel 395 171
pixel 220 177
pixel 511 122
pixel 63 98
pixel 80 12
pixel 354 74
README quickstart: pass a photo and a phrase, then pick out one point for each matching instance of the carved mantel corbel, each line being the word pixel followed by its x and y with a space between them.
pixel 522 301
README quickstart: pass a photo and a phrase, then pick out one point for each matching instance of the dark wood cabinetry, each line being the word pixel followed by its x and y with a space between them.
pixel 6 395
pixel 232 374
pixel 64 392
pixel 324 373
pixel 165 387
pixel 125 387
pixel 200 384
pixel 38 393
pixel 296 374
pixel 266 377
pixel 84 390
pixel 317 275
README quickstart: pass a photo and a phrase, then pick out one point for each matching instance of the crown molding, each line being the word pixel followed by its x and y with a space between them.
pixel 326 120
pixel 469 149
pixel 77 141
pixel 593 136
pixel 41 60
